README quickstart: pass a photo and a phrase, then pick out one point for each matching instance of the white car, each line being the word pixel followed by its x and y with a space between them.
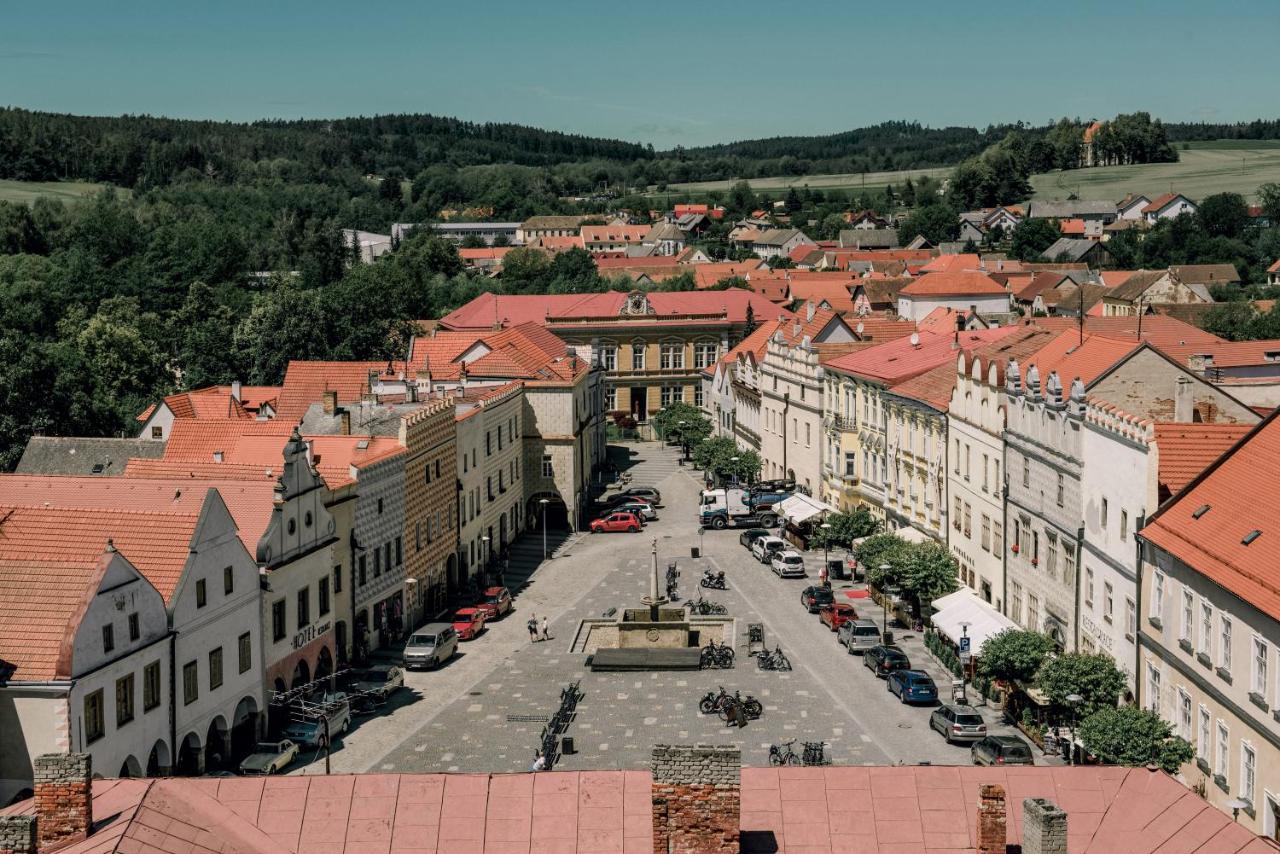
pixel 643 509
pixel 766 547
pixel 788 564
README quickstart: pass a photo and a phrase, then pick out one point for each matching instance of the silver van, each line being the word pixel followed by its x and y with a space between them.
pixel 859 635
pixel 430 646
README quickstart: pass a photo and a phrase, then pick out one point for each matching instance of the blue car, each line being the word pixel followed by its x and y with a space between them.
pixel 912 686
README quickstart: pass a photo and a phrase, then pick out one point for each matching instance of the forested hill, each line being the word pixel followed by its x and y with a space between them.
pixel 146 151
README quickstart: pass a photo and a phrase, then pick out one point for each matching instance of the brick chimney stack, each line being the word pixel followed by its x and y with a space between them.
pixel 330 402
pixel 1044 827
pixel 697 801
pixel 64 798
pixel 991 819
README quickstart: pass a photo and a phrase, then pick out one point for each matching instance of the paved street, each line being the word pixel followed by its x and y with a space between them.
pixel 466 716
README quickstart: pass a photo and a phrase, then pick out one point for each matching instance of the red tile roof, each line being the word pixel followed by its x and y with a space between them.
pixel 1241 492
pixel 1071 226
pixel 306 382
pixel 935 387
pixel 1160 202
pixel 1275 267
pixel 954 263
pixel 895 361
pixel 755 345
pixel 709 275
pixel 1070 359
pixel 1161 331
pixel 617 233
pixel 954 283
pixel 488 311
pixel 1185 450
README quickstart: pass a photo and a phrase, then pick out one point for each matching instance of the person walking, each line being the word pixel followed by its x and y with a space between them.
pixel 546 636
pixel 539 762
pixel 533 628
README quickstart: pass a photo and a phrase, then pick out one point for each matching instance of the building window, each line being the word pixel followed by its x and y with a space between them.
pixel 1104 514
pixel 304 607
pixel 1248 771
pixel 807 435
pixel 704 354
pixel 322 594
pixel 201 593
pixel 1026 471
pixel 1157 595
pixel 1061 489
pixel 1206 629
pixel 337 576
pixel 697 396
pixel 547 469
pixel 1130 618
pixel 957 467
pixel 985 463
pixel 228 580
pixel 1184 714
pixel 1260 655
pixel 968 520
pixel 609 358
pixel 610 399
pixel 157 432
pixel 671 394
pixel 1033 612
pixel 1153 687
pixel 1188 616
pixel 135 631
pixel 215 669
pixel 637 355
pixel 150 686
pixel 1226 643
pixel 1015 602
pixel 1224 747
pixel 1124 525
pixel 956 513
pixel 1108 601
pixel 362 570
pixel 277 620
pixel 190 683
pixel 986 532
pixel 671 357
pixel 108 638
pixel 124 700
pixel 1051 553
pixel 94 724
pixel 997 536
pixel 1202 735
pixel 399 554
pixel 244 647
pixel 1088 587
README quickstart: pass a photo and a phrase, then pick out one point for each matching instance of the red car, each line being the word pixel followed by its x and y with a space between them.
pixel 628 522
pixel 495 603
pixel 468 622
pixel 837 614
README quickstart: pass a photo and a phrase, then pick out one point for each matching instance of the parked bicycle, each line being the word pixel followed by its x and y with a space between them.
pixel 748 705
pixel 712 701
pixel 717 655
pixel 706 606
pixel 783 754
pixel 772 660
pixel 813 753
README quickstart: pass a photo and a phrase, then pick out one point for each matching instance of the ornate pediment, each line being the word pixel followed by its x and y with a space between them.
pixel 637 304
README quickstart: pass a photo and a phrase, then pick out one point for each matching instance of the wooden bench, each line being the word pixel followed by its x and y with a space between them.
pixel 689 658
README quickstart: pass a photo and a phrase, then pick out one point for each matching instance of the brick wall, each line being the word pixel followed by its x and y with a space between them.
pixel 991 820
pixel 1044 827
pixel 696 799
pixel 17 834
pixel 64 801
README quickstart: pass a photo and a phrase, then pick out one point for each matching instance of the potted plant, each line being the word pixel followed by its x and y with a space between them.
pixel 1014 548
pixel 1035 561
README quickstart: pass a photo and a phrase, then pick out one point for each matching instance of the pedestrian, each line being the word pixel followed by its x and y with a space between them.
pixel 533 629
pixel 539 762
pixel 822 576
pixel 546 636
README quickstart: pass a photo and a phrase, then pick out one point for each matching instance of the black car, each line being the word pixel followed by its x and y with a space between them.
pixel 749 536
pixel 1001 750
pixel 773 486
pixel 816 598
pixel 883 660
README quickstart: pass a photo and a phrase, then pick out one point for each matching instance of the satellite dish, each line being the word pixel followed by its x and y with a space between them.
pixel 915 339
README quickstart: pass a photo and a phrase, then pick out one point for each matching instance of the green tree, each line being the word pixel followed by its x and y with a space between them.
pixel 845 528
pixel 1134 737
pixel 473 241
pixel 1093 676
pixel 1223 214
pixel 1269 198
pixel 681 423
pixel 928 572
pixel 1031 237
pixel 1014 655
pixel 935 222
pixel 123 361
pixel 884 550
pixel 1231 320
pixel 717 456
pixel 286 322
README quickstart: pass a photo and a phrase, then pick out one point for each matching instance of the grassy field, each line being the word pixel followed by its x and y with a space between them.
pixel 1203 169
pixel 847 181
pixel 27 192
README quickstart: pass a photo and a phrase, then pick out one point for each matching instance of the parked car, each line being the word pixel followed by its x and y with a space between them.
pixel 381 680
pixel 643 509
pixel 764 547
pixel 912 686
pixel 269 757
pixel 837 614
pixel 883 660
pixel 312 732
pixel 958 723
pixel 788 564
pixel 859 635
pixel 644 493
pixel 816 597
pixel 614 522
pixel 496 603
pixel 748 537
pixel 468 623
pixel 430 646
pixel 1001 750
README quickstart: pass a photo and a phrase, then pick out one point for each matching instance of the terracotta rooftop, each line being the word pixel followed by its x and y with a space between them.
pixel 954 263
pixel 954 283
pixel 877 810
pixel 1224 524
pixel 935 387
pixel 305 383
pixel 1185 450
pixel 1160 331
pixel 754 346
pixel 708 275
pixel 895 361
pixel 490 311
pixel 1073 360
pixel 1161 202
pixel 215 402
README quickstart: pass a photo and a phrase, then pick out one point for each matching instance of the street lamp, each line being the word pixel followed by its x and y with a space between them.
pixel 735 461
pixel 544 502
pixel 1073 700
pixel 488 554
pixel 884 602
pixel 826 551
pixel 1237 804
pixel 684 445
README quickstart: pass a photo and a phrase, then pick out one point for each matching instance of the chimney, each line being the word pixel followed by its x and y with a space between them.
pixel 345 417
pixel 17 834
pixel 1044 827
pixel 330 402
pixel 991 819
pixel 697 805
pixel 235 389
pixel 64 798
pixel 1183 404
pixel 810 310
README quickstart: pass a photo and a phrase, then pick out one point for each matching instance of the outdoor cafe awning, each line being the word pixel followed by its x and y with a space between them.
pixel 964 606
pixel 799 508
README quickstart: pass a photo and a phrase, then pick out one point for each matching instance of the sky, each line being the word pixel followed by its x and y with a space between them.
pixel 657 72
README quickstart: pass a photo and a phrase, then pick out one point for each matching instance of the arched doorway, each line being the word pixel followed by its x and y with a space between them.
pixel 217 745
pixel 244 728
pixel 557 513
pixel 324 663
pixel 158 762
pixel 190 756
pixel 301 673
pixel 453 584
pixel 130 768
pixel 280 687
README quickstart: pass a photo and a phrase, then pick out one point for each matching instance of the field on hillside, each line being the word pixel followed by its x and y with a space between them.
pixel 846 181
pixel 27 192
pixel 1205 168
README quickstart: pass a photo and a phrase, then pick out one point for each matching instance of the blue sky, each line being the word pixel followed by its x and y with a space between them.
pixel 655 71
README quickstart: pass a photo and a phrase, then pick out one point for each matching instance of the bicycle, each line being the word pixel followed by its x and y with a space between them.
pixel 773 660
pixel 717 655
pixel 783 755
pixel 815 753
pixel 706 606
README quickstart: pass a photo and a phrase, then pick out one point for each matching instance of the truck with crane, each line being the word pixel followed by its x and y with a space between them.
pixel 737 507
